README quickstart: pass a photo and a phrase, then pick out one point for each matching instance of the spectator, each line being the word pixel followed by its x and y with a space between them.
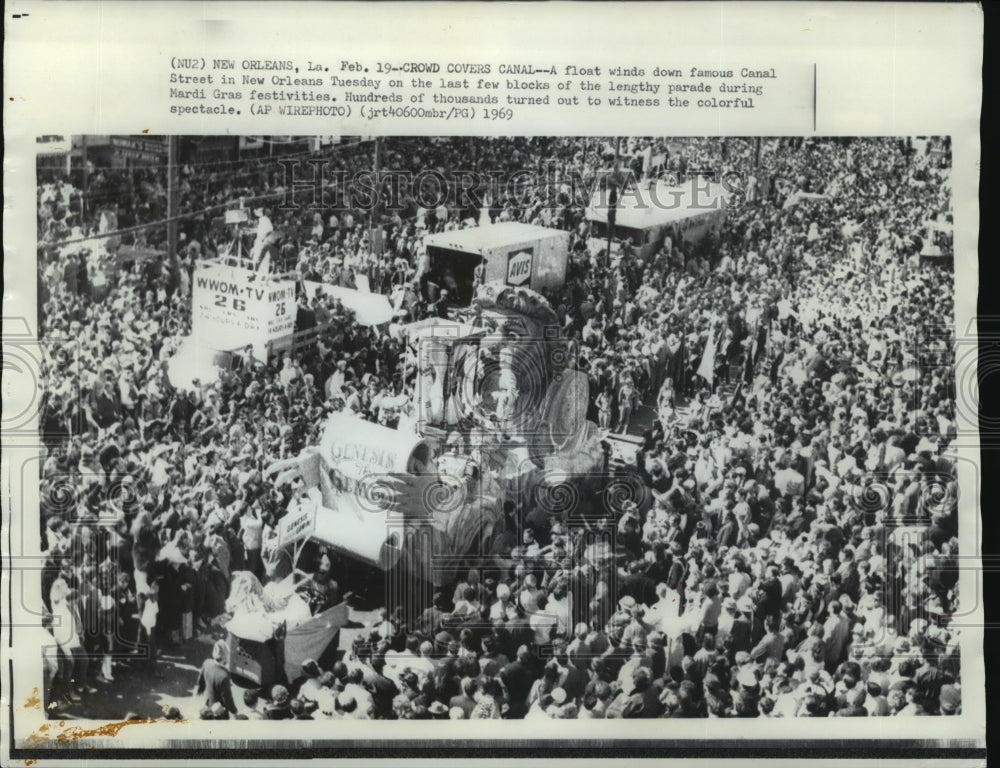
pixel 214 680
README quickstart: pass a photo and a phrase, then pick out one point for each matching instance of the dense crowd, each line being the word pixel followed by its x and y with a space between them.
pixel 789 548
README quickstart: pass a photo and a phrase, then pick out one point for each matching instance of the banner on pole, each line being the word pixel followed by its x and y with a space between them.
pixel 299 523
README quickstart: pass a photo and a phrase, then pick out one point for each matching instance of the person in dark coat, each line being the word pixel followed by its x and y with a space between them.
pixel 279 708
pixel 305 317
pixel 645 699
pixel 638 585
pixel 214 680
pixel 431 619
pixel 741 634
pixel 466 700
pixel 518 677
pixel 728 533
pixel 382 689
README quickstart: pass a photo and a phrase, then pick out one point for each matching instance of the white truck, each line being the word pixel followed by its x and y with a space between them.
pixel 648 211
pixel 511 252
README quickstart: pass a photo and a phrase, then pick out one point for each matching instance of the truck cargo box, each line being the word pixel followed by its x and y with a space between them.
pixel 514 253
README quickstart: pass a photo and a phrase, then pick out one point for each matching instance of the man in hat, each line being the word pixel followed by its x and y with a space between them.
pixel 502 608
pixel 747 696
pixel 563 706
pixel 438 711
pixel 623 615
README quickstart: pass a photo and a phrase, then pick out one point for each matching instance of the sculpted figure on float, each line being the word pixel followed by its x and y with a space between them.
pixel 511 408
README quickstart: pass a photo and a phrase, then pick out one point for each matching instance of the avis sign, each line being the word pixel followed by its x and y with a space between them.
pixel 519 266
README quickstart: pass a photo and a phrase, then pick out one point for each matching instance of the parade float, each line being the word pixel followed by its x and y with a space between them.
pixel 500 412
pixel 273 629
pixel 499 415
pixel 237 303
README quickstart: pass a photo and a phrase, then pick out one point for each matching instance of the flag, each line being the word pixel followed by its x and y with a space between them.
pixel 707 367
pixel 310 639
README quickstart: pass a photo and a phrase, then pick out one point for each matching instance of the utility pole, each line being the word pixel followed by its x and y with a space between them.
pixel 757 174
pixel 86 177
pixel 612 217
pixel 614 182
pixel 172 204
pixel 377 235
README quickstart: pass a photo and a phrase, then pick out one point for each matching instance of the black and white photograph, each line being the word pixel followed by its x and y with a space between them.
pixel 497 428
